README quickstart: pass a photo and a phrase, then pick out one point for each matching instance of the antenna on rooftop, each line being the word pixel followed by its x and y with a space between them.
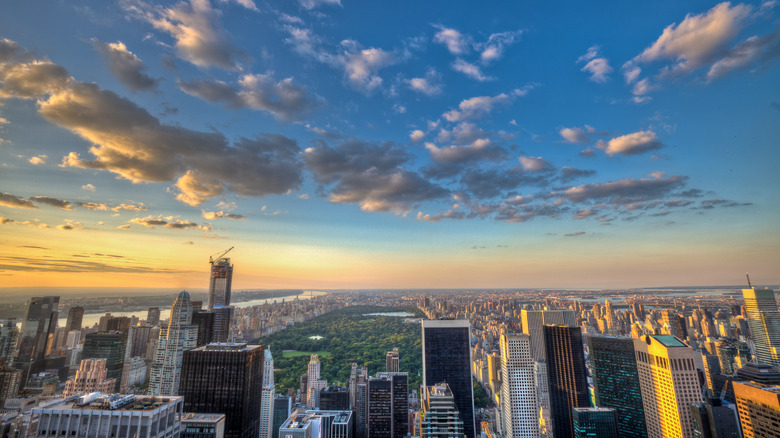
pixel 750 286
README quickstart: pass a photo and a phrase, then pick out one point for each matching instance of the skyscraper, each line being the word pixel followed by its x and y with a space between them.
pixel 759 409
pixel 313 383
pixel 447 359
pixel 713 420
pixel 764 322
pixel 595 422
pixel 399 384
pixel 9 339
pixel 440 417
pixel 267 397
pixel 518 391
pixel 567 378
pixel 225 378
pixel 180 335
pixel 220 284
pixel 379 411
pixel 334 398
pixel 153 315
pixel 616 382
pixel 37 333
pixel 110 346
pixel 282 409
pixel 534 320
pixel 669 382
pixel 392 360
pixel 223 318
pixel 90 377
pixel 75 316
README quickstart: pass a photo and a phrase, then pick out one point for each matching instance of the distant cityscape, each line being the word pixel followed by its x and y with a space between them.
pixel 701 363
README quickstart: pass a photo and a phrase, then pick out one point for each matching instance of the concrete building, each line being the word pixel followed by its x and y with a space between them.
pixel 439 417
pixel 90 377
pixel 313 383
pixel 220 283
pixel 764 321
pixel 267 397
pixel 534 320
pixel 203 425
pixel 758 407
pixel 37 334
pixel 98 416
pixel 281 411
pixel 518 391
pixel 595 422
pixel 669 383
pixel 712 419
pixel 180 335
pixel 9 339
pixel 110 346
pixel 392 361
pixel 334 398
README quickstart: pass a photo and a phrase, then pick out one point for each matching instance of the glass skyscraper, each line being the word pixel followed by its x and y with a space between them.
pixel 764 322
pixel 221 282
pixel 567 379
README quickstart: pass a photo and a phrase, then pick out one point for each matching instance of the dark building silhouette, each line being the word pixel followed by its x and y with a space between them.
pixel 227 379
pixel 223 317
pixel 110 346
pixel 713 420
pixel 616 382
pixel 282 409
pixel 566 375
pixel 75 317
pixel 205 322
pixel 379 409
pixel 447 359
pixel 595 422
pixel 37 334
pixel 334 398
pixel 399 383
pixel 760 373
pixel 153 315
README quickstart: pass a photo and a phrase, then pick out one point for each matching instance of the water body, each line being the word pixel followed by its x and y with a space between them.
pixel 399 314
pixel 94 318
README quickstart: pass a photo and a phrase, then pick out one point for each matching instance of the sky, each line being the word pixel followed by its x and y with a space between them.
pixel 354 144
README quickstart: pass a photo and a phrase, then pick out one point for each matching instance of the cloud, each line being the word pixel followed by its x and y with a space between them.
pixel 752 51
pixel 31 79
pixel 416 135
pixel 430 85
pixel 577 135
pixel 452 213
pixel 456 42
pixel 88 187
pixel 493 48
pixel 127 67
pixel 54 202
pixel 471 70
pixel 168 222
pixel 598 67
pixel 479 149
pixel 5 220
pixel 13 201
pixel 535 164
pixel 584 213
pixel 37 264
pixel 312 4
pixel 625 191
pixel 489 183
pixel 575 234
pixel 39 159
pixel 631 144
pixel 570 173
pixel 212 215
pixel 370 175
pixel 480 106
pixel 199 36
pixel 284 99
pixel 106 207
pixel 249 4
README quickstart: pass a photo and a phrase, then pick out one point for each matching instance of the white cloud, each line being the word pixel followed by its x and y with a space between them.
pixel 493 48
pixel 631 144
pixel 598 67
pixel 534 164
pixel 480 106
pixel 430 85
pixel 471 70
pixel 125 65
pixel 752 51
pixel 39 159
pixel 577 135
pixel 312 4
pixel 456 42
pixel 88 187
pixel 416 135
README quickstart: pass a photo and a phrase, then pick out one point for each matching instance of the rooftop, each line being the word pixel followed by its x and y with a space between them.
pixel 190 417
pixel 668 341
pixel 110 402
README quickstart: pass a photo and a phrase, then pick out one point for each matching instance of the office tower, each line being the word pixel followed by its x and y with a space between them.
pixel 267 397
pixel 304 389
pixel 110 346
pixel 392 360
pixel 439 415
pixel 90 377
pixel 669 382
pixel 616 382
pixel 180 335
pixel 223 318
pixel 399 385
pixel 205 322
pixel 638 310
pixel 133 373
pixel 727 349
pixel 518 391
pixel 10 381
pixel 759 373
pixel 713 420
pixel 153 315
pixel 595 422
pixel 220 284
pixel 9 339
pixel 542 384
pixel 37 334
pixel 447 359
pixel 202 425
pixel 109 322
pixel 379 411
pixel 282 409
pixel 225 378
pixel 313 383
pixel 494 364
pixel 567 379
pixel 764 322
pixel 75 316
pixel 334 398
pixel 142 333
pixel 359 381
pixel 533 322
pixel 758 407
pixel 95 416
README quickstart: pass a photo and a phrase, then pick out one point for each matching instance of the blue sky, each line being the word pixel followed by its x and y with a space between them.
pixel 412 144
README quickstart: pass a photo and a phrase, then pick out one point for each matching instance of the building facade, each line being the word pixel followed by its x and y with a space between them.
pixel 764 321
pixel 180 335
pixel 220 283
pixel 111 347
pixel 758 407
pixel 567 377
pixel 267 397
pixel 595 422
pixel 439 415
pixel 90 377
pixel 533 322
pixel 518 390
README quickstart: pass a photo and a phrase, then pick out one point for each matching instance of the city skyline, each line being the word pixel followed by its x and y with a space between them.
pixel 524 147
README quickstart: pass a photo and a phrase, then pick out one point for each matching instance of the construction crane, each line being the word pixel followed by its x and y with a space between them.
pixel 219 255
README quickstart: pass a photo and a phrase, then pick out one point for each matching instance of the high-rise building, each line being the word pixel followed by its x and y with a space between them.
pixel 399 383
pixel 153 315
pixel 220 283
pixel 616 382
pixel 9 339
pixel 75 316
pixel 10 381
pixel 267 397
pixel 764 321
pixel 392 359
pixel 205 322
pixel 379 411
pixel 669 383
pixel 223 318
pixel 90 377
pixel 358 381
pixel 334 398
pixel 282 409
pixel 313 383
pixel 180 335
pixel 37 334
pixel 142 333
pixel 447 359
pixel 758 407
pixel 713 420
pixel 439 415
pixel 110 346
pixel 567 378
pixel 225 378
pixel 533 322
pixel 518 391
pixel 595 422
pixel 202 425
